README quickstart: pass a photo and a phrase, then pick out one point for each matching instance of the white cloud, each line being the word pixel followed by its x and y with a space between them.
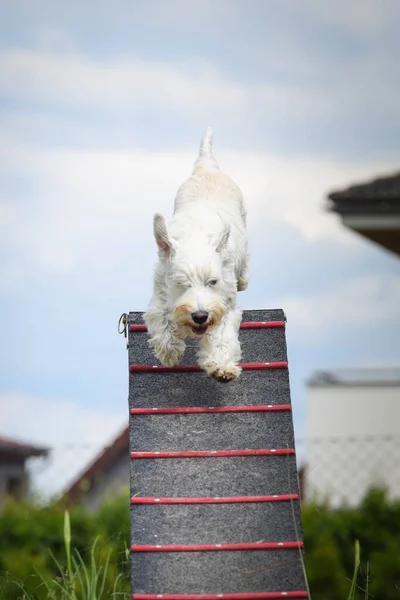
pixel 77 81
pixel 293 190
pixel 314 84
pixel 74 433
pixel 352 304
pixel 362 17
pixel 65 78
pixel 297 91
pixel 365 18
pixel 85 209
pixel 191 87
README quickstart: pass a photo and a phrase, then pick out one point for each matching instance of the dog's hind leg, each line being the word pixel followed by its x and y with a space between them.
pixel 220 348
pixel 243 279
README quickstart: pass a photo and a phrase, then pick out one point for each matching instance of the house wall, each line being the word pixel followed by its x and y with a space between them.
pixel 110 482
pixel 353 441
pixel 12 468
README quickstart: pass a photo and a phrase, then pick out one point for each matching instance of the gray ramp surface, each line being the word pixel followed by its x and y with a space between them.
pixel 215 507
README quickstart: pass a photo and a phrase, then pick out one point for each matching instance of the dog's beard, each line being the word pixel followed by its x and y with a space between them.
pixel 181 315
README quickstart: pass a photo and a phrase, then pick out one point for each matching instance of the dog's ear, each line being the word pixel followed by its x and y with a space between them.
pixel 223 241
pixel 164 242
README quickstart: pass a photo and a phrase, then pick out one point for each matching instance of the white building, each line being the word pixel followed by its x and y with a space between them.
pixel 353 434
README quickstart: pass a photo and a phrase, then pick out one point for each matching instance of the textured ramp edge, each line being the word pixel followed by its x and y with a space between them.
pixel 213 572
pixel 256 475
pixel 197 432
pixel 169 523
pixel 199 390
pixel 217 572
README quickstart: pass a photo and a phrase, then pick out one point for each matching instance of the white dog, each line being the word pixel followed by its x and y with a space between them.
pixel 203 262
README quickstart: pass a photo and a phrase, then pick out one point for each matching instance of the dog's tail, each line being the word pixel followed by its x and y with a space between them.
pixel 205 158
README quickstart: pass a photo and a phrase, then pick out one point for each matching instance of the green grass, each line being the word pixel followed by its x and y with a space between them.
pixel 80 580
pixel 353 587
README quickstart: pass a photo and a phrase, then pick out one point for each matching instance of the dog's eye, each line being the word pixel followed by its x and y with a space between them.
pixel 181 282
pixel 212 282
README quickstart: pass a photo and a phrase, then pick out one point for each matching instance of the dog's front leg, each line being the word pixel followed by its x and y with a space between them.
pixel 220 348
pixel 168 346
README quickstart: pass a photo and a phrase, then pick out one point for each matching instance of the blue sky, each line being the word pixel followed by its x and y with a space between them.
pixel 102 110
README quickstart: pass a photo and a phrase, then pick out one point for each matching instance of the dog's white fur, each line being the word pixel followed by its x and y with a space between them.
pixel 203 262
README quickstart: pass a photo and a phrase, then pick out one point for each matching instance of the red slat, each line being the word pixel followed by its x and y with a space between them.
pixel 213 453
pixel 243 596
pixel 138 327
pixel 260 366
pixel 253 366
pixel 262 325
pixel 215 500
pixel 217 547
pixel 184 410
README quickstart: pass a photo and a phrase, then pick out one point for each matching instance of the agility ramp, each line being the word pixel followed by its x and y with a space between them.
pixel 215 498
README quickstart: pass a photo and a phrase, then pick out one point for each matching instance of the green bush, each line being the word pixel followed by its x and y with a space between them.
pixel 33 553
pixel 329 537
pixel 31 540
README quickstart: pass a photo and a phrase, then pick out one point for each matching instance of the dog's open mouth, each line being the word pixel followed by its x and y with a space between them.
pixel 200 330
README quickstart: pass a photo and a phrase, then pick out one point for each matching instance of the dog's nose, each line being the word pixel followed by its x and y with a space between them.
pixel 200 317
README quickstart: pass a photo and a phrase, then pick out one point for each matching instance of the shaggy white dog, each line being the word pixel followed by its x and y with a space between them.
pixel 203 262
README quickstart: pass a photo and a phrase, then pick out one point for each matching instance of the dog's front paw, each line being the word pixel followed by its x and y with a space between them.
pixel 224 373
pixel 170 355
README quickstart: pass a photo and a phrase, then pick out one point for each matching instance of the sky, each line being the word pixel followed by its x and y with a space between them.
pixel 102 107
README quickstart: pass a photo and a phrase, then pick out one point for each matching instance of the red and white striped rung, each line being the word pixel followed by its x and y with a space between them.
pixel 215 500
pixel 187 410
pixel 138 327
pixel 243 596
pixel 214 453
pixel 217 547
pixel 252 366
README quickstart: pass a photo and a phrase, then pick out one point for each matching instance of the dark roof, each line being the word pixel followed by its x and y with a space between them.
pixel 85 480
pixel 379 196
pixel 22 449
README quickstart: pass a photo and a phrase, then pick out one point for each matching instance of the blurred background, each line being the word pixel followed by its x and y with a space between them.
pixel 102 109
